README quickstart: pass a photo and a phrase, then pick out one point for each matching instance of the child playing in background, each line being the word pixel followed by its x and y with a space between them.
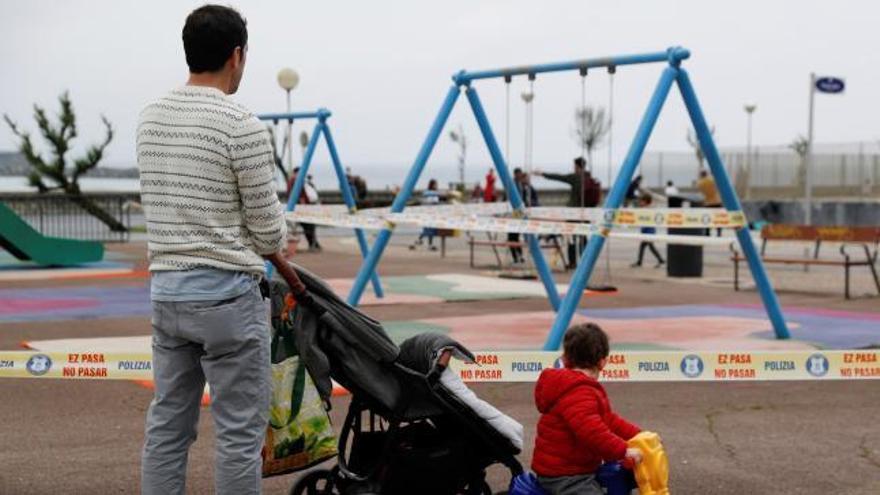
pixel 645 202
pixel 578 430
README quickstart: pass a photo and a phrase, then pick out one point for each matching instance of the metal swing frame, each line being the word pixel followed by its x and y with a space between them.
pixel 322 129
pixel 565 307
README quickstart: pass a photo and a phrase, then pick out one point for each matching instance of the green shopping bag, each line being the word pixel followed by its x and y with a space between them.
pixel 299 434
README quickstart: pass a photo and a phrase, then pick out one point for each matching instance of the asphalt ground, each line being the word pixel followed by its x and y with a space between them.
pixel 721 438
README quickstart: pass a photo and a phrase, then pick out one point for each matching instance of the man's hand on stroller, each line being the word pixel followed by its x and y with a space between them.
pixel 286 272
pixel 296 285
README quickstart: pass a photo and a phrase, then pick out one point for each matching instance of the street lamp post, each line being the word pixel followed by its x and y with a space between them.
pixel 808 162
pixel 288 79
pixel 750 109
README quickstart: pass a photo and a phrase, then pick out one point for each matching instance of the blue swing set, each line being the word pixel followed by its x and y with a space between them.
pixel 322 129
pixel 565 307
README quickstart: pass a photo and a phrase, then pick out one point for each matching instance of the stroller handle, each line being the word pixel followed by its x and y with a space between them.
pixel 287 273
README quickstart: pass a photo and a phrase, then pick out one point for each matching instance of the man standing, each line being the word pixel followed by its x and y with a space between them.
pixel 213 216
pixel 584 189
pixel 585 193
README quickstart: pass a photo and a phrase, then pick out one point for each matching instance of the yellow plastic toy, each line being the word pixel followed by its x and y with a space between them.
pixel 652 474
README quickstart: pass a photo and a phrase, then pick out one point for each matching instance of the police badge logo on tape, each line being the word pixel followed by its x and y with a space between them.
pixel 38 364
pixel 691 366
pixel 817 365
pixel 609 215
pixel 659 218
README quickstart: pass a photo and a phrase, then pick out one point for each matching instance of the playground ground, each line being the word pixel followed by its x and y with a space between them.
pixel 722 438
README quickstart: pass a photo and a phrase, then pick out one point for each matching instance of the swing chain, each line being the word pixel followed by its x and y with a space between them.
pixel 507 79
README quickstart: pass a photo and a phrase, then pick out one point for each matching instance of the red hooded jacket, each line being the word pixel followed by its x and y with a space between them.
pixel 577 429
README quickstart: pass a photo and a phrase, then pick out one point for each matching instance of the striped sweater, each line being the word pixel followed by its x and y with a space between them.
pixel 208 187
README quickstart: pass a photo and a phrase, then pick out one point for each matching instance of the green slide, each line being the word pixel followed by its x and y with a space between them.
pixel 25 243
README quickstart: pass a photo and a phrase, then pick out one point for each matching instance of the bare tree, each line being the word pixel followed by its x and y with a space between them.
pixel 591 125
pixel 695 144
pixel 801 146
pixel 53 174
pixel 457 136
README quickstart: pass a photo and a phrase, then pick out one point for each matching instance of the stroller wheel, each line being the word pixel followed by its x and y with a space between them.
pixel 318 482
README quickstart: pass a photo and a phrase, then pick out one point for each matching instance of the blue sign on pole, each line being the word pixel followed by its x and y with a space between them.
pixel 830 85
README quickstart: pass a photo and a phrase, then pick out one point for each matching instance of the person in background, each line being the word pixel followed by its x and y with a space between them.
pixel 308 196
pixel 529 198
pixel 645 202
pixel 633 192
pixel 477 193
pixel 582 193
pixel 430 196
pixel 358 187
pixel 670 189
pixel 586 192
pixel 528 193
pixel 489 190
pixel 711 198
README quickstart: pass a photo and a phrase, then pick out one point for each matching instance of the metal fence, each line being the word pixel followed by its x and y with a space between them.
pixel 774 172
pixel 57 215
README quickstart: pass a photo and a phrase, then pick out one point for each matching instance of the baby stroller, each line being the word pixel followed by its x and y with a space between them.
pixel 404 433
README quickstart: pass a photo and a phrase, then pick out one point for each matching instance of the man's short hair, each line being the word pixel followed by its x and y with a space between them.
pixel 210 36
pixel 585 345
pixel 517 171
pixel 580 162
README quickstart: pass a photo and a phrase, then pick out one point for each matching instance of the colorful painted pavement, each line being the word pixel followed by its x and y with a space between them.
pixel 113 265
pixel 133 299
pixel 687 327
pixel 691 327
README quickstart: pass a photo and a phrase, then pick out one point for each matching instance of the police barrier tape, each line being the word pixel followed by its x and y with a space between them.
pixel 520 366
pixel 87 365
pixel 517 225
pixel 490 224
pixel 492 217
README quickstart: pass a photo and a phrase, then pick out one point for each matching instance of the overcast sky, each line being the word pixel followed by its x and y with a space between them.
pixel 383 67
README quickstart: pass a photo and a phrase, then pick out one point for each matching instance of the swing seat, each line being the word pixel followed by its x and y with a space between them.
pixel 652 474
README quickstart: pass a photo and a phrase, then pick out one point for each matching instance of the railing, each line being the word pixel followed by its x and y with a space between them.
pixel 57 215
pixel 772 174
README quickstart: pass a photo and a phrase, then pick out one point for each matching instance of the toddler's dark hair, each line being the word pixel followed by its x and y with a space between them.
pixel 585 345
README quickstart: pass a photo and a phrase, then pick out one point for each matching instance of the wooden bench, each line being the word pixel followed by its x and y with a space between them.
pixel 866 238
pixel 443 234
pixel 493 242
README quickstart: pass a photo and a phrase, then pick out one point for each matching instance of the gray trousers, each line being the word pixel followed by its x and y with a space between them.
pixel 584 484
pixel 227 343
